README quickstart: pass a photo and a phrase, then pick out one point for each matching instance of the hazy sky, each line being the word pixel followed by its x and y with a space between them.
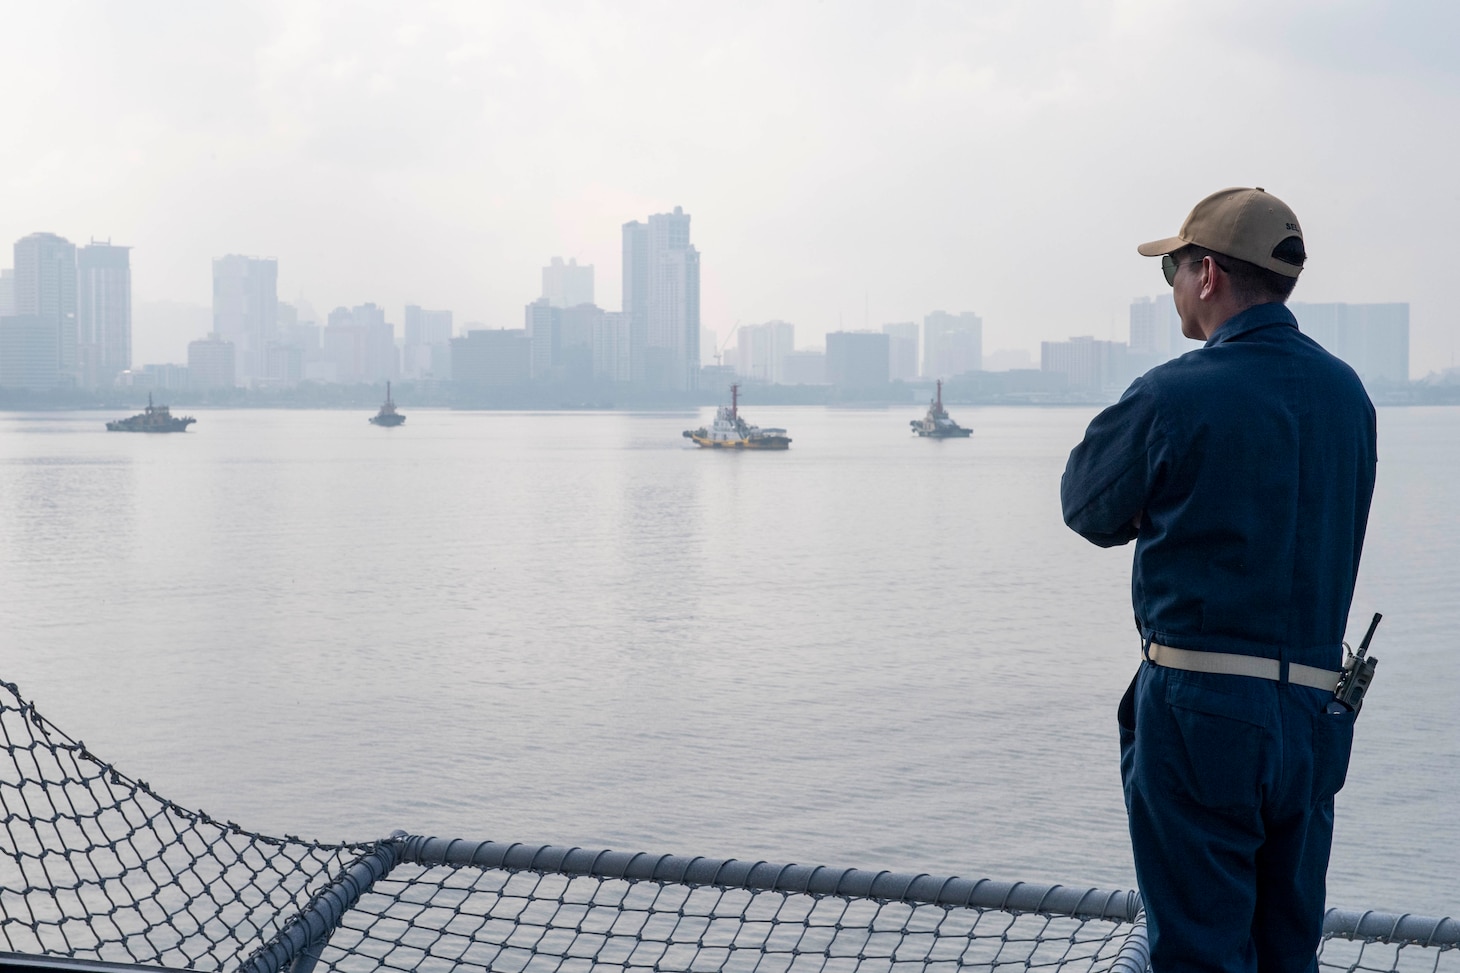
pixel 844 163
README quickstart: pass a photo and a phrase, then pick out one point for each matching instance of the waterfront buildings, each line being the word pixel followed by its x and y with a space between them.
pixel 360 344
pixel 567 284
pixel 45 293
pixel 491 359
pixel 952 344
pixel 7 292
pixel 28 358
pixel 104 313
pixel 612 358
pixel 804 367
pixel 245 311
pixel 857 359
pixel 427 351
pixel 661 297
pixel 1372 338
pixel 1088 364
pixel 212 363
pixel 761 349
pixel 902 350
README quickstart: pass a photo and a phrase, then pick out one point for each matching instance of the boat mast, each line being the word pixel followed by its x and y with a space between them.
pixel 734 401
pixel 940 395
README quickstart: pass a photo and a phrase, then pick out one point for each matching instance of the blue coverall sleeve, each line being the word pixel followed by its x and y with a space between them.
pixel 1108 477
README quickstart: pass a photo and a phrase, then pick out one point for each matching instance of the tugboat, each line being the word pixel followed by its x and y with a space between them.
pixel 387 416
pixel 729 431
pixel 157 418
pixel 936 424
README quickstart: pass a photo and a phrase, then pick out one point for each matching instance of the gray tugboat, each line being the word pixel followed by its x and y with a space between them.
pixel 156 418
pixel 936 424
pixel 387 416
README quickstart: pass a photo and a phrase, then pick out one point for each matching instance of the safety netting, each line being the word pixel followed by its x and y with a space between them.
pixel 96 866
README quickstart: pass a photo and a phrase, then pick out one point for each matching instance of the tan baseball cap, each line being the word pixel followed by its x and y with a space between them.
pixel 1244 223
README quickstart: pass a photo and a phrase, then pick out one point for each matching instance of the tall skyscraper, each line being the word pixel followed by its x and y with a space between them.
pixel 7 292
pixel 427 351
pixel 567 284
pixel 662 300
pixel 45 289
pixel 902 350
pixel 636 294
pixel 104 313
pixel 952 344
pixel 245 310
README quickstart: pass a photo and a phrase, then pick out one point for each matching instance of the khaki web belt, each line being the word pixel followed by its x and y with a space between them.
pixel 1241 665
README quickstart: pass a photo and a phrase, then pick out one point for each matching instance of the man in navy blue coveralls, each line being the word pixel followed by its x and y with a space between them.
pixel 1243 471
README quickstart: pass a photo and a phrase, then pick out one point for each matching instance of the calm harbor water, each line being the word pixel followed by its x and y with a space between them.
pixel 871 650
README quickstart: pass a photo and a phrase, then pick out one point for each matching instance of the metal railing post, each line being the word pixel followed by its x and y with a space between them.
pixel 298 944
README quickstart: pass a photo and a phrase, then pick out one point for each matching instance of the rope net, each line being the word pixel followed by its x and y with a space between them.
pixel 438 919
pixel 95 866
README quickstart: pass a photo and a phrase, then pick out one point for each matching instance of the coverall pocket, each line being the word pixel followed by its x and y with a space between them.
pixel 1333 744
pixel 1216 757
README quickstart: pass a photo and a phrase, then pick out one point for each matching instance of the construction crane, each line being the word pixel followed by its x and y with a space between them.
pixel 720 350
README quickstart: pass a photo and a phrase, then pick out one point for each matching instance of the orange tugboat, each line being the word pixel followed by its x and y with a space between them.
pixel 156 418
pixel 387 416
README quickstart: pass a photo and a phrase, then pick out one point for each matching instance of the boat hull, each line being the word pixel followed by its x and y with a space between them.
pixel 766 442
pixel 959 433
pixel 394 420
pixel 125 425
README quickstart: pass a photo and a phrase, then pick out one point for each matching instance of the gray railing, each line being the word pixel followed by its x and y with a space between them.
pixel 97 870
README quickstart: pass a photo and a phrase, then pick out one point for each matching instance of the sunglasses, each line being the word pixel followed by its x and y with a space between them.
pixel 1169 267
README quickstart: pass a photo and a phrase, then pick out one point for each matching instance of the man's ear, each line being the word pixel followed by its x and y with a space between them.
pixel 1209 279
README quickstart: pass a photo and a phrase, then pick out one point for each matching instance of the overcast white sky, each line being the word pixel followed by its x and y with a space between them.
pixel 844 163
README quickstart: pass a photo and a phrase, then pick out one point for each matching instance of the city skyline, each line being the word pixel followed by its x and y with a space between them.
pixel 846 166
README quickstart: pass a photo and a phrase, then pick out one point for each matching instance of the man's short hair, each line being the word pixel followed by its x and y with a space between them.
pixel 1251 284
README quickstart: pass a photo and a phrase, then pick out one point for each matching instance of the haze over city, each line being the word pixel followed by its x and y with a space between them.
pixel 847 165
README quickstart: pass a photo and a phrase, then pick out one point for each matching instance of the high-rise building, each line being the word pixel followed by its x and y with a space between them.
pixel 491 359
pixel 1372 338
pixel 540 321
pixel 611 348
pixel 245 310
pixel 104 313
pixel 857 359
pixel 427 352
pixel 636 294
pixel 761 349
pixel 567 284
pixel 952 344
pixel 28 352
pixel 662 299
pixel 212 363
pixel 902 350
pixel 1089 365
pixel 45 288
pixel 7 292
pixel 804 367
pixel 1155 331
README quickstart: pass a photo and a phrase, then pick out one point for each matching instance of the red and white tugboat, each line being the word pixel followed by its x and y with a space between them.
pixel 729 431
pixel 936 424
